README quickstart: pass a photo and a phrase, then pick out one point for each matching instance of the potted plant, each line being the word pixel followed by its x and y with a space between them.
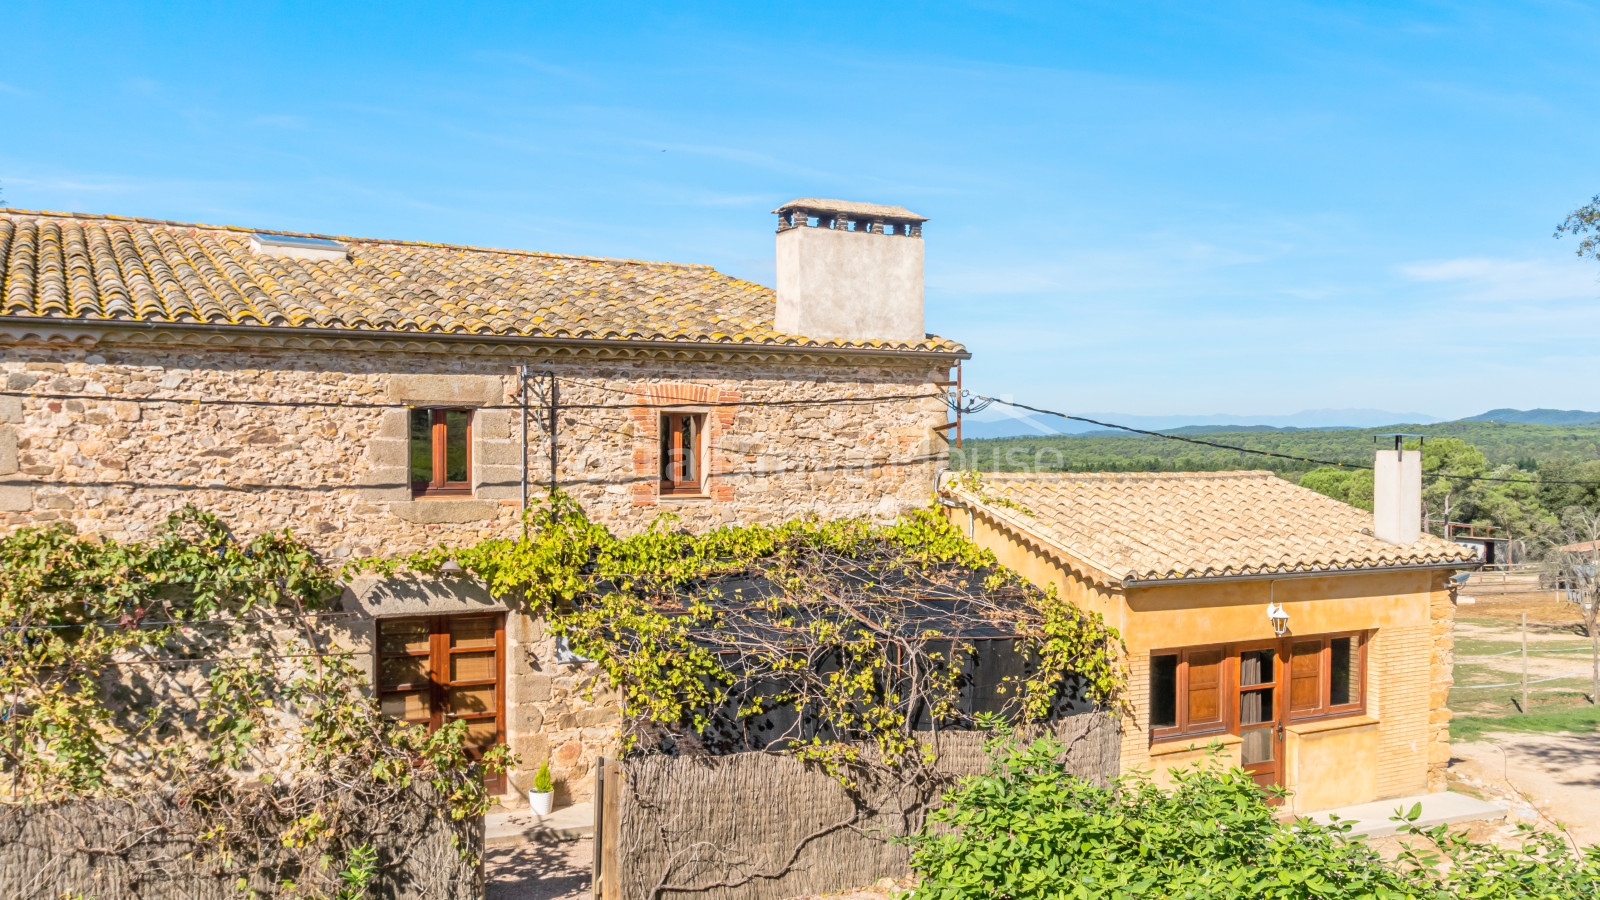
pixel 544 791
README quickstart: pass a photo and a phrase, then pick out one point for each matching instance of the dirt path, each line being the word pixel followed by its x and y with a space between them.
pixel 1560 773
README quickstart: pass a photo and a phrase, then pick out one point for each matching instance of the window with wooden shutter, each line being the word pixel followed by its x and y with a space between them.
pixel 1328 676
pixel 436 669
pixel 1187 692
pixel 682 453
pixel 1305 676
pixel 1208 690
pixel 1204 690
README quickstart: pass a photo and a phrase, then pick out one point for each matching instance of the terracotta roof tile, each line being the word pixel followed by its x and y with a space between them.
pixel 108 268
pixel 1161 526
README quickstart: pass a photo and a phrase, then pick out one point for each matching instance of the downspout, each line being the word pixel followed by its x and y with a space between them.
pixel 522 398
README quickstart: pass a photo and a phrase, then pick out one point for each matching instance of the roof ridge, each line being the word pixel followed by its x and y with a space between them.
pixel 1129 476
pixel 142 220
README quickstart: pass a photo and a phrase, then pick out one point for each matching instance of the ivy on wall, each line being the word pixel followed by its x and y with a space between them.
pixel 821 636
pixel 194 663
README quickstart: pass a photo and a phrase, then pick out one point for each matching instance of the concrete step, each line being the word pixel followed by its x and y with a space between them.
pixel 1446 808
pixel 510 829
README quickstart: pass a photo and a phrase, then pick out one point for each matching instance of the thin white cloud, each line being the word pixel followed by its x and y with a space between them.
pixel 11 89
pixel 1489 279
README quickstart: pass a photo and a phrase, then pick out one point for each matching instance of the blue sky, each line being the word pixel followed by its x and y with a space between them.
pixel 1144 208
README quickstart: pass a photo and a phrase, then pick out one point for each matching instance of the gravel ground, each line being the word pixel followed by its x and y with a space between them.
pixel 1559 774
pixel 558 870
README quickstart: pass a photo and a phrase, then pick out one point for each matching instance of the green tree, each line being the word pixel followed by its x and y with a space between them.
pixel 1584 222
pixel 1575 561
pixel 1328 480
pixel 1555 496
pixel 1352 486
pixel 1514 504
pixel 1448 464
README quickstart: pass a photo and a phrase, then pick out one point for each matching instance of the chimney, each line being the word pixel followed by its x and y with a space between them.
pixel 1397 493
pixel 849 271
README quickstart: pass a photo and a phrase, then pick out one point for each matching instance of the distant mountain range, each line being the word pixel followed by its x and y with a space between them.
pixel 1538 417
pixel 992 426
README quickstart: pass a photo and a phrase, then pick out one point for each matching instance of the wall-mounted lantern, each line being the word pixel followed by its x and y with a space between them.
pixel 1278 618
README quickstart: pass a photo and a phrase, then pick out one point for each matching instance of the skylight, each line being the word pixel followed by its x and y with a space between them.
pixel 298 247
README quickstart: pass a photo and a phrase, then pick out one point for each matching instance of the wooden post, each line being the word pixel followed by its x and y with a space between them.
pixel 1524 663
pixel 598 873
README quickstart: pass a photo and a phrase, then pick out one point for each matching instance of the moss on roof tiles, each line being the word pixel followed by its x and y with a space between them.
pixel 64 265
pixel 1172 526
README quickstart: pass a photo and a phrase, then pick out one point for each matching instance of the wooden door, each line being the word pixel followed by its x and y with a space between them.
pixel 435 669
pixel 1259 710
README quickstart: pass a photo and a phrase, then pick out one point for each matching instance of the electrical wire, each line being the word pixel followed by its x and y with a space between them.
pixel 1215 445
pixel 328 404
pixel 182 623
pixel 978 404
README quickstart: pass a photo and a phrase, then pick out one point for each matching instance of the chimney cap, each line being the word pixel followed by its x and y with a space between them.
pixel 850 207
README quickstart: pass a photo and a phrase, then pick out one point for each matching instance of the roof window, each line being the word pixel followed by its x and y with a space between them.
pixel 298 247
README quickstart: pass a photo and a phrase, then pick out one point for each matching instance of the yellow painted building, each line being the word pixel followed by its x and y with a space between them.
pixel 1259 617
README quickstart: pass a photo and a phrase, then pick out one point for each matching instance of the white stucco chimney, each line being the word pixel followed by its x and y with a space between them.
pixel 850 271
pixel 1397 495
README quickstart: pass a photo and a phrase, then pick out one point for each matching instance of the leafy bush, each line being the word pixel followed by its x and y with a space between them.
pixel 542 781
pixel 168 662
pixel 1028 829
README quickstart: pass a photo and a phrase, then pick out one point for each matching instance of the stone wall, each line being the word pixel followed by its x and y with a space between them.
pixel 560 712
pixel 337 476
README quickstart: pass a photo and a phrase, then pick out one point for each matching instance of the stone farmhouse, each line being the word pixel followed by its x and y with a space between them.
pixel 380 397
pixel 1307 641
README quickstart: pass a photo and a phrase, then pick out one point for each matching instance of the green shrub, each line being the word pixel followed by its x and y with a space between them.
pixel 542 781
pixel 1029 830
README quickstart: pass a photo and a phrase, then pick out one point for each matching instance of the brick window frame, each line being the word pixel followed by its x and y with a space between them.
pixel 647 417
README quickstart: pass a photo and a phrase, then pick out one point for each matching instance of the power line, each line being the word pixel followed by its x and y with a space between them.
pixel 1215 445
pixel 183 623
pixel 1171 437
pixel 330 404
pixel 207 659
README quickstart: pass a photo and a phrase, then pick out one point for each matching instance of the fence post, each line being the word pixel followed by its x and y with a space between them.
pixel 598 870
pixel 1524 663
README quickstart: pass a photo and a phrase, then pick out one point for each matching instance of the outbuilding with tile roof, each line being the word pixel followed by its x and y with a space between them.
pixel 1262 620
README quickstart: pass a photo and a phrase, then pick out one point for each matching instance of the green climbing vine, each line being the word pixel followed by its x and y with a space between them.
pixel 199 663
pixel 820 636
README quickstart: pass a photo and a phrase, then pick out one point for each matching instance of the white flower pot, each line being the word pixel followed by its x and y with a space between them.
pixel 540 801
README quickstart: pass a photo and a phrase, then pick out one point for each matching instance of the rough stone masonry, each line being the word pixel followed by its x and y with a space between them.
pixel 113 462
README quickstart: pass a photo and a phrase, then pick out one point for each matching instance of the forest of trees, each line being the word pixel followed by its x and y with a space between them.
pixel 1530 460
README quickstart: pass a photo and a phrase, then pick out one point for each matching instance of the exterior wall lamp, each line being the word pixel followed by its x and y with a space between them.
pixel 1278 618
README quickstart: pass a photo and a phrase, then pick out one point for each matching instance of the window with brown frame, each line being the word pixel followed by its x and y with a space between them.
pixel 1186 692
pixel 1193 691
pixel 682 437
pixel 441 452
pixel 1326 675
pixel 436 669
